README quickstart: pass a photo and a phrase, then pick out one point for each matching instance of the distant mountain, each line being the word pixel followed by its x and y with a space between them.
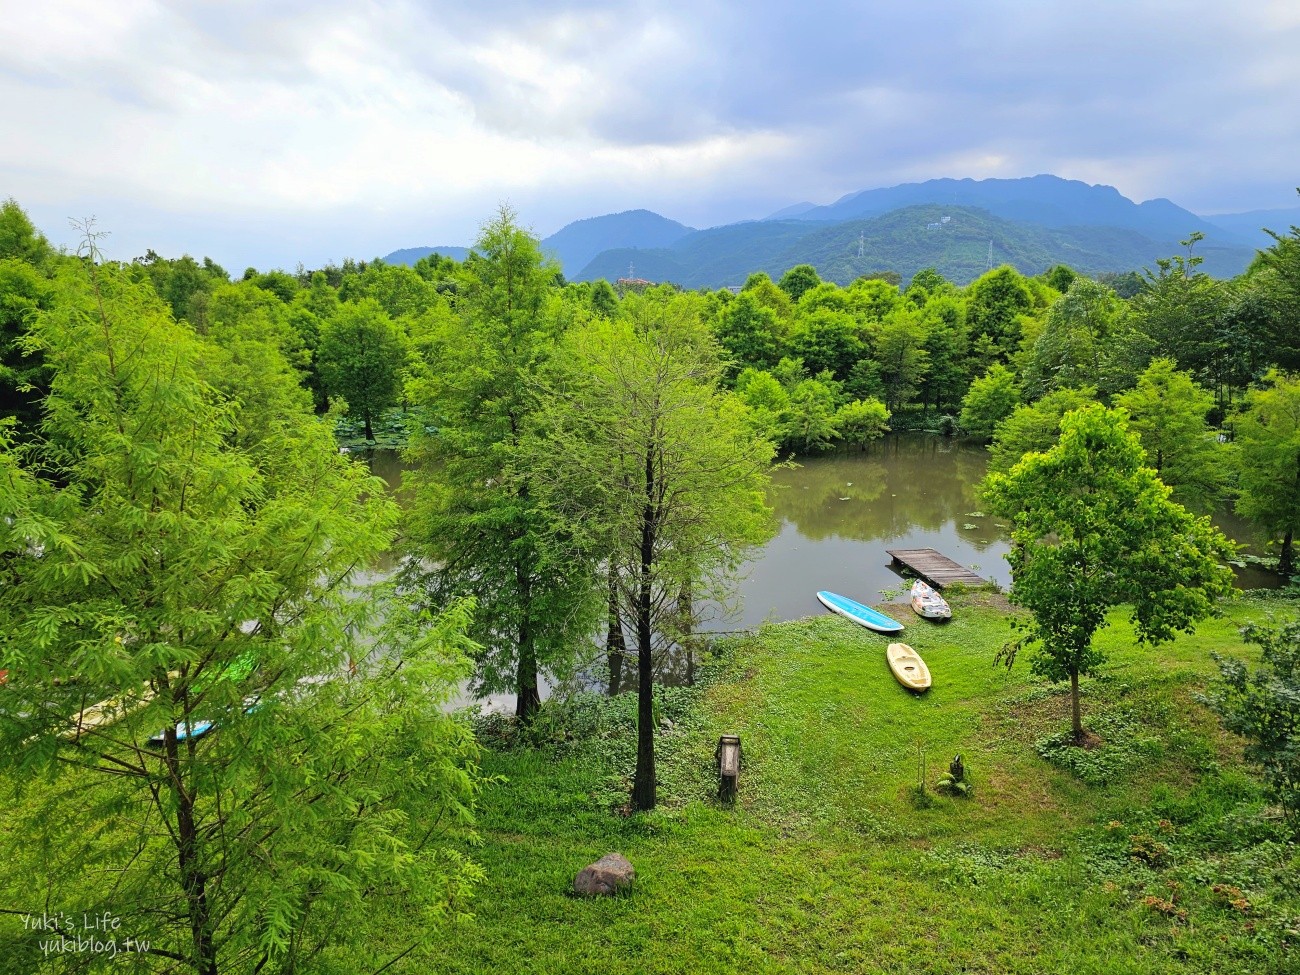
pixel 1250 226
pixel 1048 201
pixel 1034 222
pixel 409 255
pixel 904 240
pixel 792 211
pixel 577 243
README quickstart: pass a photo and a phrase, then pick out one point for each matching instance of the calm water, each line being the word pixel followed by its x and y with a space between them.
pixel 838 514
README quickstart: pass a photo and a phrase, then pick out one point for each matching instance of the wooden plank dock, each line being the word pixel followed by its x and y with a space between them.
pixel 934 567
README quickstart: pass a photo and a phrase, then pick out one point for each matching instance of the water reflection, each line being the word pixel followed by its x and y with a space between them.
pixel 838 514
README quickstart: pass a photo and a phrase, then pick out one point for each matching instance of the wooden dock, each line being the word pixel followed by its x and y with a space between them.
pixel 934 567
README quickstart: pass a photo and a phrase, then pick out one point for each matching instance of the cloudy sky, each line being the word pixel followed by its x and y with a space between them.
pixel 272 133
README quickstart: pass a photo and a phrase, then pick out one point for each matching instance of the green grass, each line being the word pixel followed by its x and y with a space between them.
pixel 825 863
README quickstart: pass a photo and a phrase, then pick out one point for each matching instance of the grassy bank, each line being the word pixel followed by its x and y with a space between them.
pixel 1156 851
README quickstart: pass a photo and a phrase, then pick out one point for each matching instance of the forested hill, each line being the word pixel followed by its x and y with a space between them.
pixel 1045 200
pixel 575 244
pixel 952 240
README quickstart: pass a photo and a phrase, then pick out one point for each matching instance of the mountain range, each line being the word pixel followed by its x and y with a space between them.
pixel 957 226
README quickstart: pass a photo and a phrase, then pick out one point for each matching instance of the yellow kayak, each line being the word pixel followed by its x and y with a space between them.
pixel 908 667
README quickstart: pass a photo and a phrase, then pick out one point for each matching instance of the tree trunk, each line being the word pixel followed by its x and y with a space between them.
pixel 615 645
pixel 194 879
pixel 527 697
pixel 1286 561
pixel 643 784
pixel 1075 717
pixel 686 628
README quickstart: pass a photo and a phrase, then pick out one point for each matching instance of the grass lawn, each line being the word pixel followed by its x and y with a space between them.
pixel 1155 853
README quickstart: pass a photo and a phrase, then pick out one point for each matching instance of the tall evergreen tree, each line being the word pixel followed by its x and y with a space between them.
pixel 662 469
pixel 476 517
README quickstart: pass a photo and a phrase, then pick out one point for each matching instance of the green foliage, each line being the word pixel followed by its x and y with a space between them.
pixel 1264 708
pixel 1167 410
pixel 1033 427
pixel 1277 272
pixel 989 401
pixel 153 562
pixel 749 334
pixel 19 238
pixel 1074 347
pixel 860 422
pixel 660 472
pixel 1268 461
pixel 475 519
pixel 768 402
pixel 361 358
pixel 827 340
pixel 799 279
pixel 1176 315
pixel 1094 528
pixel 903 358
pixel 1060 278
pixel 994 303
pixel 812 416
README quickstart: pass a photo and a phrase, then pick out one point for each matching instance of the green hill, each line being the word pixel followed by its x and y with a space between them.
pixel 953 240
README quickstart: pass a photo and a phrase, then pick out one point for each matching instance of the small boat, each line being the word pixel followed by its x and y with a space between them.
pixel 184 731
pixel 97 717
pixel 909 668
pixel 928 603
pixel 863 615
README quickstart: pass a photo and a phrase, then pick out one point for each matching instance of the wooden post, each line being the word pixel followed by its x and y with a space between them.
pixel 728 756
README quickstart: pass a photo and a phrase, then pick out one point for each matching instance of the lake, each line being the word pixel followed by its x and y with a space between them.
pixel 837 515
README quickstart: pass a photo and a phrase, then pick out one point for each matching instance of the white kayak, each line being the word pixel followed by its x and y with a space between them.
pixel 928 603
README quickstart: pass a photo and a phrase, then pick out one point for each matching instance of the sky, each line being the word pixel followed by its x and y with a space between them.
pixel 270 134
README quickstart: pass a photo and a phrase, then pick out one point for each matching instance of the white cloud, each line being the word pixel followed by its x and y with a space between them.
pixel 349 119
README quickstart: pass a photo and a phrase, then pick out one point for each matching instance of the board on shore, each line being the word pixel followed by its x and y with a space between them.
pixel 862 615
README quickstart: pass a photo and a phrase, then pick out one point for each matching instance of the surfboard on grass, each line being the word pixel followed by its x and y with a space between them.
pixel 862 615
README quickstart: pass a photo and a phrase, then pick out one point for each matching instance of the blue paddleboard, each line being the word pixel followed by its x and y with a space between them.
pixel 864 615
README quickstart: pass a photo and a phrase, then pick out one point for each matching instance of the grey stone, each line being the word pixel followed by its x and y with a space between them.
pixel 607 876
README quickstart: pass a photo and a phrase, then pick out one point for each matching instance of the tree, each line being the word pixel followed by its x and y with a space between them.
pixel 862 421
pixel 151 564
pixel 748 333
pixel 1277 271
pixel 828 340
pixel 989 401
pixel 475 517
pixel 768 402
pixel 1178 313
pixel 944 324
pixel 799 279
pixel 994 303
pixel 1033 427
pixel 812 415
pixel 904 361
pixel 1167 411
pixel 1060 277
pixel 1094 528
pixel 661 468
pixel 1264 708
pixel 1072 350
pixel 1268 462
pixel 361 357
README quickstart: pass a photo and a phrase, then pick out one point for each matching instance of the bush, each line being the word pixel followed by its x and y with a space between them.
pixel 1264 708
